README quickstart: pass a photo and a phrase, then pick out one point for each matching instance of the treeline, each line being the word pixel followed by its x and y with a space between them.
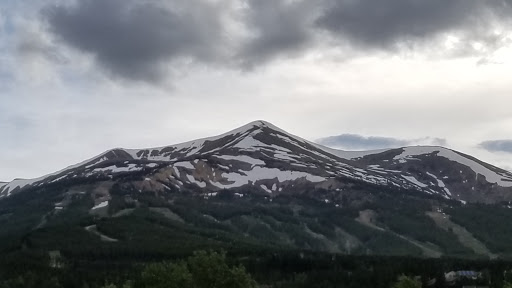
pixel 291 269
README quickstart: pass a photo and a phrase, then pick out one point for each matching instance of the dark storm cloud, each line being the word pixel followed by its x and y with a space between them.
pixel 278 27
pixel 134 39
pixel 140 40
pixel 388 24
pixel 497 146
pixel 359 142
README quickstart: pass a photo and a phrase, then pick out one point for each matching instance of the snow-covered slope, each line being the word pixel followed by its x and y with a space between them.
pixel 461 176
pixel 492 174
pixel 268 158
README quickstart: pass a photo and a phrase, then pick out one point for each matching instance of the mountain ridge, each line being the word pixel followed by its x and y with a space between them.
pixel 259 186
pixel 263 155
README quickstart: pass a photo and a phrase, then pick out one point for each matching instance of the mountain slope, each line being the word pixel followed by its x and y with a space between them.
pixel 273 161
pixel 462 177
pixel 259 187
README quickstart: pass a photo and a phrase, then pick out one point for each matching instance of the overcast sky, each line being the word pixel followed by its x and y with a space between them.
pixel 80 77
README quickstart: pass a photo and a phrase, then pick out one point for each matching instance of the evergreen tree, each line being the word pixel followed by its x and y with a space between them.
pixel 202 270
pixel 407 282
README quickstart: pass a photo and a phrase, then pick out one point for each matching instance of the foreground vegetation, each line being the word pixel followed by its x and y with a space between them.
pixel 286 241
pixel 272 269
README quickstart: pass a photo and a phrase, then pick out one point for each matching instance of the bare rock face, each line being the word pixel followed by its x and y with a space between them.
pixel 270 160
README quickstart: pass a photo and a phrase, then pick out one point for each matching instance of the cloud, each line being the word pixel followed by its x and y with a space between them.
pixel 497 146
pixel 138 40
pixel 2 21
pixel 21 130
pixel 391 24
pixel 32 44
pixel 359 142
pixel 276 28
pixel 145 40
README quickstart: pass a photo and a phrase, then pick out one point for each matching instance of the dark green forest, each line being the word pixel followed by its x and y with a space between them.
pixel 285 241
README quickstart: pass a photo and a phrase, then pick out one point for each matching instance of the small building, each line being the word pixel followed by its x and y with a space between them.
pixel 454 276
pixel 468 274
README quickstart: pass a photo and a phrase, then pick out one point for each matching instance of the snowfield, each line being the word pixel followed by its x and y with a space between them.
pixel 409 153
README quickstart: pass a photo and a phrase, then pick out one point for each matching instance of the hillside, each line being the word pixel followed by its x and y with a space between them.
pixel 259 188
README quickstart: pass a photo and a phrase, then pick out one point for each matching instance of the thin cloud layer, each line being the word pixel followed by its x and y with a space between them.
pixel 359 142
pixel 142 40
pixel 31 45
pixel 497 146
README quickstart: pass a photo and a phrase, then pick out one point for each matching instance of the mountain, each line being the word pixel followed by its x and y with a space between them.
pixel 274 161
pixel 259 188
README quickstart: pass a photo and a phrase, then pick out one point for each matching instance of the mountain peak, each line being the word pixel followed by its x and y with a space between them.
pixel 260 123
pixel 251 125
pixel 264 156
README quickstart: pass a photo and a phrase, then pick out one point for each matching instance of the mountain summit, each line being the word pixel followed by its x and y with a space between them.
pixel 270 160
pixel 259 187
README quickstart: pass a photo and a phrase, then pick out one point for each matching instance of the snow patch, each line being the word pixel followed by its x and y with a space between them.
pixel 193 180
pixel 285 157
pixel 241 158
pixel 263 173
pixel 102 159
pixel 249 143
pixel 440 183
pixel 175 171
pixel 265 188
pixel 414 181
pixel 100 205
pixel 115 169
pixel 60 178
